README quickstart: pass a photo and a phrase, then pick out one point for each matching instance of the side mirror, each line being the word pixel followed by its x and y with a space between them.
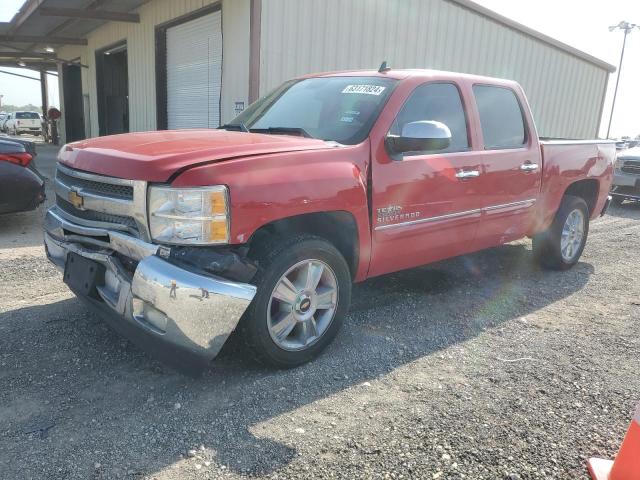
pixel 425 135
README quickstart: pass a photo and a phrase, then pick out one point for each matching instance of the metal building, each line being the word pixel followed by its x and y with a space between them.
pixel 134 65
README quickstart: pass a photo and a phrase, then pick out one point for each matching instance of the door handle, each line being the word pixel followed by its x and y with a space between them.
pixel 467 174
pixel 529 167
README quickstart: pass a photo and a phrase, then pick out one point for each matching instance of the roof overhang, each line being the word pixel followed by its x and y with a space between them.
pixel 40 27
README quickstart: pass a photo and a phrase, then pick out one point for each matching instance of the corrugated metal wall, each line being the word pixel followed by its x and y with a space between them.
pixel 304 36
pixel 141 52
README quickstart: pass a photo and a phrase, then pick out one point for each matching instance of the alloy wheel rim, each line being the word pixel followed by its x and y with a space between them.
pixel 302 305
pixel 572 235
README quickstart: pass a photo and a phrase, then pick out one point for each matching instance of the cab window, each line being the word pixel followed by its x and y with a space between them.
pixel 439 102
pixel 500 117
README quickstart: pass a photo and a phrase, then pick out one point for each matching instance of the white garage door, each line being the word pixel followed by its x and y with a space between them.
pixel 194 73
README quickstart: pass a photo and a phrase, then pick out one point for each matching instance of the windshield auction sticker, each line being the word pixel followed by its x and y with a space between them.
pixel 364 89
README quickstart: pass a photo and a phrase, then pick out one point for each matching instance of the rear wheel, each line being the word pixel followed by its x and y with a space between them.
pixel 304 291
pixel 560 247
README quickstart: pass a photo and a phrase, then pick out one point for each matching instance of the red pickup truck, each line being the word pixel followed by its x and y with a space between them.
pixel 181 237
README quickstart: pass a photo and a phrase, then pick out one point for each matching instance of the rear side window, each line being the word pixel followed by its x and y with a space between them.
pixel 436 102
pixel 27 115
pixel 500 117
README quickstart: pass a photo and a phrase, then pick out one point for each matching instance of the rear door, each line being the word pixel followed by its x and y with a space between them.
pixel 425 205
pixel 510 182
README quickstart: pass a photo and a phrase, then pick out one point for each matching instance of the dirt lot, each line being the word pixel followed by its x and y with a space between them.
pixel 478 367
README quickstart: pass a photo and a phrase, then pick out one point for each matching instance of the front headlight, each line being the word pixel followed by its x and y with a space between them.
pixel 193 216
pixel 619 163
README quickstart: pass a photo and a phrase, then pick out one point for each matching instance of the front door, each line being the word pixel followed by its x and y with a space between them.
pixel 425 205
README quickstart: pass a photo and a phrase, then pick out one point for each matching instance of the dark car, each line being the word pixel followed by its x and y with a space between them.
pixel 21 186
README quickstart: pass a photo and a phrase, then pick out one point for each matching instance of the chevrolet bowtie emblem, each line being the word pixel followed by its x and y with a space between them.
pixel 76 199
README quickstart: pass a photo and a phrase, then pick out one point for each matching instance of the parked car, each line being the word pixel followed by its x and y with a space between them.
pixel 3 122
pixel 181 237
pixel 23 122
pixel 626 180
pixel 21 186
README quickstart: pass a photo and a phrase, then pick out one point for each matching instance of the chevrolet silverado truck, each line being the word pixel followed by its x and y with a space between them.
pixel 626 177
pixel 180 238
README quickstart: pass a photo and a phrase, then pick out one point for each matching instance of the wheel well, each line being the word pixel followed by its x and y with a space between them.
pixel 339 228
pixel 587 190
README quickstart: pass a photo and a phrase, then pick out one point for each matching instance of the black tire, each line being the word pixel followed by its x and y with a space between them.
pixel 616 200
pixel 275 257
pixel 546 245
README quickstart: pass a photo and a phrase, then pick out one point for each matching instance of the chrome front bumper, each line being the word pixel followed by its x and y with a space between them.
pixel 181 316
pixel 624 179
pixel 625 185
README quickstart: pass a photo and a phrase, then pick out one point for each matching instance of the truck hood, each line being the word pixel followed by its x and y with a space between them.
pixel 156 156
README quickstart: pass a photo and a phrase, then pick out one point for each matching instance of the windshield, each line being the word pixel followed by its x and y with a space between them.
pixel 341 109
pixel 26 115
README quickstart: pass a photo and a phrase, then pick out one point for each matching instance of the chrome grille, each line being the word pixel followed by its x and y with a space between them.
pixel 108 189
pixel 101 201
pixel 92 215
pixel 631 166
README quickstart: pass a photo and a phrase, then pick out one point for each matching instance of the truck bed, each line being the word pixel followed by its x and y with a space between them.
pixel 567 161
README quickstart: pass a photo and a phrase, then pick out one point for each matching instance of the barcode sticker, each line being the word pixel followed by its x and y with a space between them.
pixel 364 89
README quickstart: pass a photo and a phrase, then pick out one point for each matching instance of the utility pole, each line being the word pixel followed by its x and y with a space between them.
pixel 627 27
pixel 44 92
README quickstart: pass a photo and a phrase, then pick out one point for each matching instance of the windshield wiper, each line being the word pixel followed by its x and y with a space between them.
pixel 283 130
pixel 240 127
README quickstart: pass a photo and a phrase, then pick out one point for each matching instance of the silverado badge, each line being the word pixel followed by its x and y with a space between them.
pixel 394 213
pixel 76 199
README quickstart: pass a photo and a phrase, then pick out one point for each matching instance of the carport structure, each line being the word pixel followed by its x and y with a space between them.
pixel 40 28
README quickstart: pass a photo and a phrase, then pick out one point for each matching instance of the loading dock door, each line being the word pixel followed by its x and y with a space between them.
pixel 194 73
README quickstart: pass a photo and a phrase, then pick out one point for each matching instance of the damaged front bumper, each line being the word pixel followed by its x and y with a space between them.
pixel 179 315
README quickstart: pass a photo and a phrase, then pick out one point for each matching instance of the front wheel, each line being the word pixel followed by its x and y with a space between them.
pixel 560 247
pixel 304 291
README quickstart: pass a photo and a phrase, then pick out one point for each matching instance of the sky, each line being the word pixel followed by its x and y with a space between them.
pixel 20 91
pixel 8 8
pixel 580 23
pixel 583 24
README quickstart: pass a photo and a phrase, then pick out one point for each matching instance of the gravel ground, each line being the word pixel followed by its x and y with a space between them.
pixel 481 367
